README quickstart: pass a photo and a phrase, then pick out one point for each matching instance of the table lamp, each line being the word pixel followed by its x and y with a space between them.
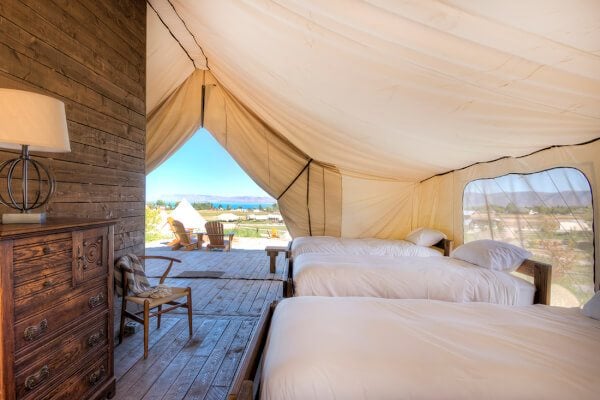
pixel 29 122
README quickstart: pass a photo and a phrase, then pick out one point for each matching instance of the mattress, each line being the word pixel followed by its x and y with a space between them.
pixel 366 348
pixel 437 278
pixel 365 246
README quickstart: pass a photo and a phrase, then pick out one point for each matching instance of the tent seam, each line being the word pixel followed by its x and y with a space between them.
pixel 294 180
pixel 509 157
pixel 190 32
pixel 324 202
pixel 308 200
pixel 172 34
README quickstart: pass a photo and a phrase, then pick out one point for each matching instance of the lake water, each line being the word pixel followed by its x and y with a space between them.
pixel 247 206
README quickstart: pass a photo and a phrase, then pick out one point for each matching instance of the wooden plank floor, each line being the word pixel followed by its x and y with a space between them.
pixel 225 309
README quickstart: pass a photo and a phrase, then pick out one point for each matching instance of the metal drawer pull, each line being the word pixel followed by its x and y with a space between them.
pixel 95 338
pixel 33 332
pixel 96 300
pixel 48 283
pixel 46 250
pixel 34 380
pixel 96 376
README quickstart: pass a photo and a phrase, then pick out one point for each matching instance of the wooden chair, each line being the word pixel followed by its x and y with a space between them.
pixel 216 237
pixel 149 304
pixel 183 236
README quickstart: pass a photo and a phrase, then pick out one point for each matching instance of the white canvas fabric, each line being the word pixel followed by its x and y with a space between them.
pixel 434 278
pixel 365 348
pixel 356 247
pixel 161 78
pixel 188 215
pixel 386 89
pixel 380 96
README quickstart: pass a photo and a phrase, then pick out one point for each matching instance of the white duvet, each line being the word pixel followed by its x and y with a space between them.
pixel 437 278
pixel 365 246
pixel 365 348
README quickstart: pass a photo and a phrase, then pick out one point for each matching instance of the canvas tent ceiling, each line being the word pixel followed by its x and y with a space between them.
pixel 380 95
pixel 396 89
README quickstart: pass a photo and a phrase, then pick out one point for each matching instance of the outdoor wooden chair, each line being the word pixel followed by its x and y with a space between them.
pixel 149 304
pixel 216 236
pixel 183 236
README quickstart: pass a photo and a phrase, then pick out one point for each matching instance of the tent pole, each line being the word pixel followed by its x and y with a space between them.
pixel 308 198
pixel 202 102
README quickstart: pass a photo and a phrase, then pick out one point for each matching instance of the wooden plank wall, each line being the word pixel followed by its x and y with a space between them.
pixel 92 55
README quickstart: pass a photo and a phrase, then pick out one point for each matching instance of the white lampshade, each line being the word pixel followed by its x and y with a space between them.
pixel 32 119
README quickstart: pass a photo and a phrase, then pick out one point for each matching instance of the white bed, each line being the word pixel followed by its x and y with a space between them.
pixel 437 278
pixel 357 247
pixel 367 348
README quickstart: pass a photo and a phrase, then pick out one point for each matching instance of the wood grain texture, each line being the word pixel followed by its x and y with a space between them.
pixel 91 55
pixel 57 314
pixel 542 279
pixel 7 356
pixel 225 313
pixel 249 371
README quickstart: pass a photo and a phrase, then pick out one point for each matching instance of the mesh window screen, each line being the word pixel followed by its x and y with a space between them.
pixel 550 214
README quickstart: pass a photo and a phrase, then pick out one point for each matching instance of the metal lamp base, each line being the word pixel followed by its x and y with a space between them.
pixel 40 179
pixel 24 218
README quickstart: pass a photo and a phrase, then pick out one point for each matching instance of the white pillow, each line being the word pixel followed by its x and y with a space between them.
pixel 425 237
pixel 491 254
pixel 592 307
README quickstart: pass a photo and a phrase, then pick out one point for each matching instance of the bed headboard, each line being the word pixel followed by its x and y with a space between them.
pixel 446 245
pixel 542 278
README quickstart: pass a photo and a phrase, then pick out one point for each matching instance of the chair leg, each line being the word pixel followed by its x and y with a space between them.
pixel 122 324
pixel 158 318
pixel 189 307
pixel 146 326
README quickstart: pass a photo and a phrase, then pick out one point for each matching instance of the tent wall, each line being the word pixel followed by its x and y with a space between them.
pixel 163 55
pixel 172 123
pixel 438 201
pixel 309 197
pixel 313 203
pixel 318 199
pixel 376 208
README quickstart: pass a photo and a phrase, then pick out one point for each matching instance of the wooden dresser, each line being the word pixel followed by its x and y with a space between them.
pixel 56 325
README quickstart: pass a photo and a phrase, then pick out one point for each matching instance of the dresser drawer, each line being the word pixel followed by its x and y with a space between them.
pixel 27 270
pixel 40 246
pixel 36 329
pixel 80 385
pixel 40 369
pixel 52 297
pixel 35 295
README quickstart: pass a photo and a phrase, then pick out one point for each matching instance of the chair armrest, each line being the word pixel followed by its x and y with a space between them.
pixel 167 270
pixel 159 258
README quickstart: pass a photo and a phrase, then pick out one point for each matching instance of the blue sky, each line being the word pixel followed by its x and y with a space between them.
pixel 201 166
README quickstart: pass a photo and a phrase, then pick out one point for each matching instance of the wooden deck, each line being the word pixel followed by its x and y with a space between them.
pixel 226 310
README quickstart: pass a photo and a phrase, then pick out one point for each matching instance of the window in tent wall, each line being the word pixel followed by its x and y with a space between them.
pixel 550 214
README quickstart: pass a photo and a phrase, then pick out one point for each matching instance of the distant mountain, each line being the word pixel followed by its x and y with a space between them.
pixel 530 199
pixel 209 198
